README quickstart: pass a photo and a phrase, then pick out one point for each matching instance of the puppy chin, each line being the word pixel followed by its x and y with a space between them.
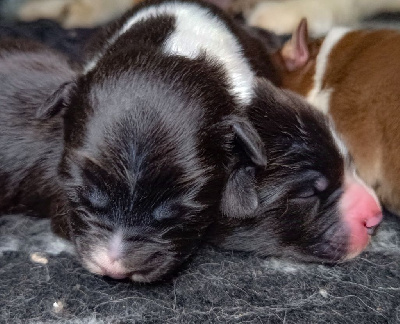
pixel 93 268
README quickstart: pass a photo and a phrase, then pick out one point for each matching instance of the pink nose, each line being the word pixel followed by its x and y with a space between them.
pixel 114 270
pixel 362 213
pixel 109 266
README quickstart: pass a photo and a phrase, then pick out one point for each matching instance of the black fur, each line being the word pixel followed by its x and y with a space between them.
pixel 30 148
pixel 147 150
pixel 294 218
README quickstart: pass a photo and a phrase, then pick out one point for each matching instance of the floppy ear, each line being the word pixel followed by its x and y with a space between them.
pixel 295 53
pixel 57 101
pixel 240 197
pixel 249 140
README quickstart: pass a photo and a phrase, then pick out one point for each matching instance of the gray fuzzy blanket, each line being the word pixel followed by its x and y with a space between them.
pixel 41 282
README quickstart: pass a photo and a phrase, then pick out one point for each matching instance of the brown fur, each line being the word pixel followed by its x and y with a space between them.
pixel 300 80
pixel 364 71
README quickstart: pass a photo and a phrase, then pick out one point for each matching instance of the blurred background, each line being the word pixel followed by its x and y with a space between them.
pixel 66 25
pixel 280 16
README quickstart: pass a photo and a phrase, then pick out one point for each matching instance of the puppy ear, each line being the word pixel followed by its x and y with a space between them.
pixel 295 53
pixel 57 101
pixel 240 198
pixel 249 140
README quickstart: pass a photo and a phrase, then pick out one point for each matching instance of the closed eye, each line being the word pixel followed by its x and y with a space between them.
pixel 94 199
pixel 175 209
pixel 306 193
pixel 167 211
pixel 310 190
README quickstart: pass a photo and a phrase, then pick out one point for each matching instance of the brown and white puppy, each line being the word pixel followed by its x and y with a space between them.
pixel 353 76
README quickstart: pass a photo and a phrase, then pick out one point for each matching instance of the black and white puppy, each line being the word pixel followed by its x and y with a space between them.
pixel 30 147
pixel 150 131
pixel 311 206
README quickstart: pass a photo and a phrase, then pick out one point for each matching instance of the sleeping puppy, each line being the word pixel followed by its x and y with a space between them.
pixel 151 167
pixel 311 204
pixel 149 133
pixel 30 148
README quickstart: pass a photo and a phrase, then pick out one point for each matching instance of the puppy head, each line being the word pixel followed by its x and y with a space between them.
pixel 310 205
pixel 145 160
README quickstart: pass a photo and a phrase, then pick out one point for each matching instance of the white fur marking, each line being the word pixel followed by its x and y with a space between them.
pixel 116 245
pixel 197 31
pixel 338 139
pixel 212 37
pixel 322 102
pixel 366 187
pixel 319 97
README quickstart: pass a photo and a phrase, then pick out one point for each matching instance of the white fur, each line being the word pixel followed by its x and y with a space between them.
pixel 116 245
pixel 338 139
pixel 197 31
pixel 317 96
pixel 321 99
pixel 366 187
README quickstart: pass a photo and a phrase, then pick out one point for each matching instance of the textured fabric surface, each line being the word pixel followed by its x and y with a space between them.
pixel 215 287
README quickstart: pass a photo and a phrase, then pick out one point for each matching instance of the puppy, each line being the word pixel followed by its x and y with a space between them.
pixel 153 175
pixel 30 148
pixel 312 206
pixel 150 130
pixel 350 75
